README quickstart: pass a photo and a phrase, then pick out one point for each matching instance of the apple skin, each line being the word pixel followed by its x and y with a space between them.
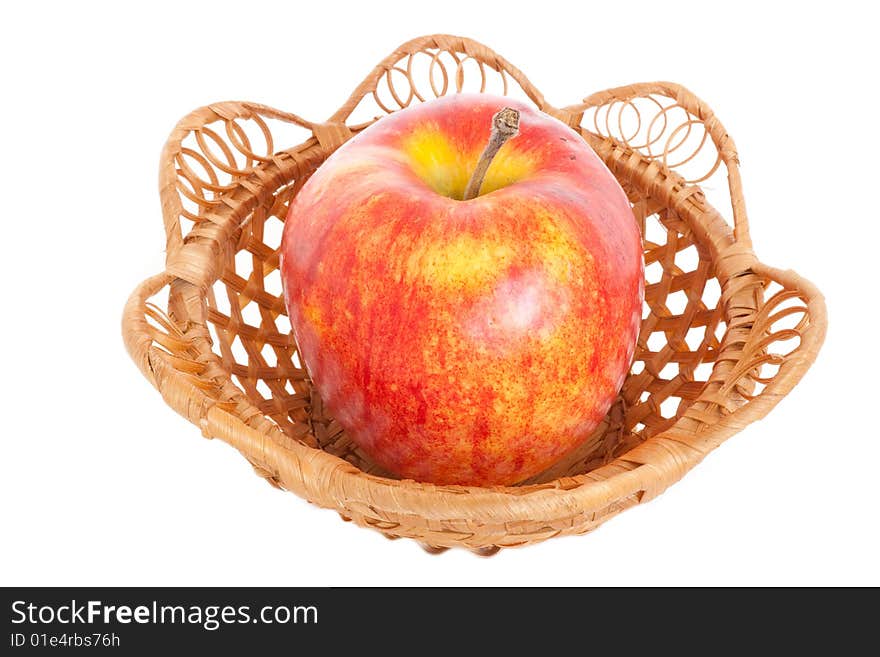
pixel 464 342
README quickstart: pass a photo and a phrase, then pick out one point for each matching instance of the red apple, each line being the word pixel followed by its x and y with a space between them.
pixel 464 341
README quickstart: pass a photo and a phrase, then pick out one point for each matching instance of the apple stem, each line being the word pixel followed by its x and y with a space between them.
pixel 505 124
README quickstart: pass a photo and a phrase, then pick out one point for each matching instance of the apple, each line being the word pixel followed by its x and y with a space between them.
pixel 459 341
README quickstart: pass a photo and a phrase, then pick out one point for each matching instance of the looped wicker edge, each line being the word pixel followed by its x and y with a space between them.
pixel 174 352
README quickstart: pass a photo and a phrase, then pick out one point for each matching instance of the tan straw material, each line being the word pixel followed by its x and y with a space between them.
pixel 724 337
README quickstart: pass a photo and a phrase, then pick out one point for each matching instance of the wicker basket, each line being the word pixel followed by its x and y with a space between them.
pixel 724 336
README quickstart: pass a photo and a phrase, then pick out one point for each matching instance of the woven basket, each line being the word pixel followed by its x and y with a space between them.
pixel 723 338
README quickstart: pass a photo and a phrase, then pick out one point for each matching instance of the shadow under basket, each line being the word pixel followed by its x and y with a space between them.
pixel 723 336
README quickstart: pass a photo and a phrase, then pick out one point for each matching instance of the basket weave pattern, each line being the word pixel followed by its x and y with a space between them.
pixel 723 336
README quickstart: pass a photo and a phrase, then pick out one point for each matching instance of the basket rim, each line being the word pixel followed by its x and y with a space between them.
pixel 634 477
pixel 640 474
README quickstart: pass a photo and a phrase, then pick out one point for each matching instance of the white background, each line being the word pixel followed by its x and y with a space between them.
pixel 103 484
